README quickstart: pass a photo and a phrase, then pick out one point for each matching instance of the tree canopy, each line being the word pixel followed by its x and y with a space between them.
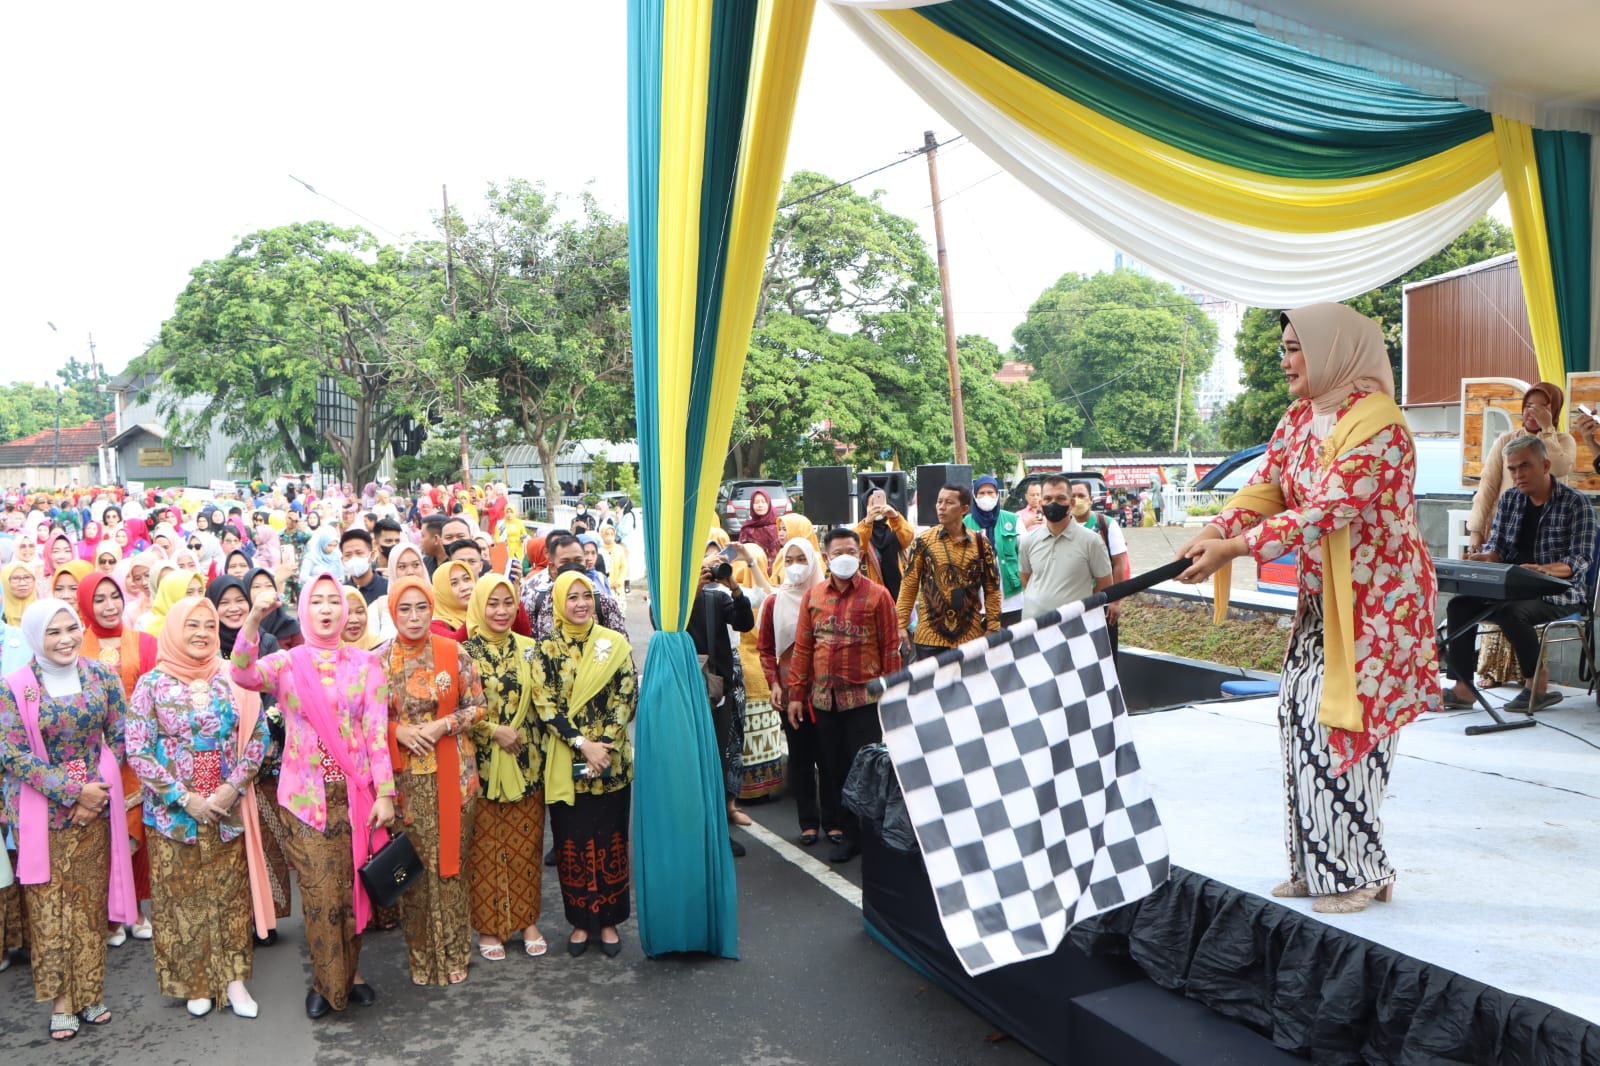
pixel 27 408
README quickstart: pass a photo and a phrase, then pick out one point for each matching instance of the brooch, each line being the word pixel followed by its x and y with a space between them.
pixel 441 681
pixel 30 693
pixel 602 650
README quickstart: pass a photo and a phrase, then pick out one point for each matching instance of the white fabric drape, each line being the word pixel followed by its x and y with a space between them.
pixel 1256 267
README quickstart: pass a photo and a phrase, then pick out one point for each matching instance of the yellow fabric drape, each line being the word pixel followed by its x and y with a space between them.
pixel 685 73
pixel 1289 205
pixel 1519 167
pixel 783 30
pixel 1341 706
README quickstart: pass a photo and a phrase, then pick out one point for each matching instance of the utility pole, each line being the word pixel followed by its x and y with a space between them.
pixel 99 414
pixel 1183 357
pixel 55 477
pixel 450 285
pixel 958 418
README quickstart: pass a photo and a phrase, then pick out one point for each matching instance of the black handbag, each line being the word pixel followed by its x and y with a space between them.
pixel 395 868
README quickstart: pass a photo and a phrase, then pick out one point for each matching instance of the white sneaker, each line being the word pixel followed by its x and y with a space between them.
pixel 118 938
pixel 141 930
pixel 199 1007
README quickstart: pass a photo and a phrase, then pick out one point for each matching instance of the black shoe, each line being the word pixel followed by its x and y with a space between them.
pixel 611 949
pixel 577 947
pixel 550 857
pixel 316 1005
pixel 738 848
pixel 843 850
pixel 363 995
pixel 809 837
pixel 267 941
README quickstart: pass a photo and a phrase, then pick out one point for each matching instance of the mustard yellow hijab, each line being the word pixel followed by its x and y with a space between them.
pixel 447 608
pixel 506 783
pixel 14 606
pixel 368 639
pixel 604 652
pixel 174 587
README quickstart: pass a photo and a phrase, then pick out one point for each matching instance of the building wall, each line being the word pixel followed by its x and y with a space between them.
pixel 189 466
pixel 1470 324
pixel 82 473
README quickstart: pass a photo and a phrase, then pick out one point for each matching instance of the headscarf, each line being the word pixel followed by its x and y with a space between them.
pixel 396 591
pixel 1553 396
pixel 173 591
pixel 210 550
pixel 90 541
pixel 368 639
pixel 226 634
pixel 304 613
pixel 194 556
pixel 79 568
pixel 267 547
pixel 597 665
pixel 49 552
pixel 505 778
pixel 478 608
pixel 283 626
pixel 786 601
pixel 986 520
pixel 322 556
pixel 249 566
pixel 59 680
pixel 15 607
pixel 172 648
pixel 600 560
pixel 160 567
pixel 110 550
pixel 762 529
pixel 86 592
pixel 795 525
pixel 394 557
pixel 447 608
pixel 1344 353
pixel 718 536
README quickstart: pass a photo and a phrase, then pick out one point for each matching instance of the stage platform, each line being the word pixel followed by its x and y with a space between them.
pixel 1494 837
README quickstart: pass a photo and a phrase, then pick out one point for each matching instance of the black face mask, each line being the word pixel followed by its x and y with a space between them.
pixel 1055 512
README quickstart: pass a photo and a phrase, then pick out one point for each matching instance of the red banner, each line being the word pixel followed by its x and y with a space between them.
pixel 1134 477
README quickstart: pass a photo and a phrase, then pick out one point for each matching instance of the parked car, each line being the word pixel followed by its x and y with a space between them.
pixel 1234 471
pixel 733 501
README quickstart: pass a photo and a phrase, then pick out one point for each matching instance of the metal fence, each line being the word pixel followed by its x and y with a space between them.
pixel 1189 505
pixel 537 508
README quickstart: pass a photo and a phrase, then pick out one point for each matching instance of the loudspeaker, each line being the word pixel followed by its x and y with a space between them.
pixel 932 478
pixel 827 496
pixel 892 482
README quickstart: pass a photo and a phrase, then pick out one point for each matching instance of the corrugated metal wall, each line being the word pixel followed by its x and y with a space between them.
pixel 1473 325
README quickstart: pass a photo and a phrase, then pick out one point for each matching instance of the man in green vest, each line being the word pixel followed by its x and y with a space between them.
pixel 1001 529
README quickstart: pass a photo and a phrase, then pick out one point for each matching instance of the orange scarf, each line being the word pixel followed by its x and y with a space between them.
pixel 446 656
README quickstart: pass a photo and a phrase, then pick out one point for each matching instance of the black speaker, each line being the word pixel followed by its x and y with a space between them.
pixel 894 486
pixel 827 496
pixel 932 478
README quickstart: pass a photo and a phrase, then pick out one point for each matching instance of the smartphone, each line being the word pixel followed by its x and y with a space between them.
pixel 1586 409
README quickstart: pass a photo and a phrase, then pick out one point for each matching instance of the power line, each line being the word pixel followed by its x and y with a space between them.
pixel 906 158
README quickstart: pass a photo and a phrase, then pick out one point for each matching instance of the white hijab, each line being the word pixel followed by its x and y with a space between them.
pixel 786 600
pixel 57 680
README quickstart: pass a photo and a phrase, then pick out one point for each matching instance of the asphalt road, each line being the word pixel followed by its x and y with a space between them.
pixel 810 987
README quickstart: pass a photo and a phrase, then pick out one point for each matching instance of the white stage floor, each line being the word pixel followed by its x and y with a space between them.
pixel 1496 838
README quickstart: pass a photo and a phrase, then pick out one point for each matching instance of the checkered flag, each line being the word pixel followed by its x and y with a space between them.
pixel 1023 786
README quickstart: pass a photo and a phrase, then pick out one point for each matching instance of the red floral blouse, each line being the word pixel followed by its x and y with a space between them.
pixel 1368 489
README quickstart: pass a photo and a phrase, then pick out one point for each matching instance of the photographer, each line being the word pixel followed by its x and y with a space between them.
pixel 720 605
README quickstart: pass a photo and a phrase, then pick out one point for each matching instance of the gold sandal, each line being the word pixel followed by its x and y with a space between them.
pixel 1355 901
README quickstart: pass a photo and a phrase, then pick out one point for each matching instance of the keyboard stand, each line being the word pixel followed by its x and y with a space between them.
pixel 1500 724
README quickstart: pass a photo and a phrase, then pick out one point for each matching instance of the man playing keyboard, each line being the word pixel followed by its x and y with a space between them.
pixel 1545 526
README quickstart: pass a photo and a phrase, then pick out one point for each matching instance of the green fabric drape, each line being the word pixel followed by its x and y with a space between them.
pixel 1214 86
pixel 1565 184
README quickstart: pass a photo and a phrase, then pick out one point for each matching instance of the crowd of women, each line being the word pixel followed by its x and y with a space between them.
pixel 187 715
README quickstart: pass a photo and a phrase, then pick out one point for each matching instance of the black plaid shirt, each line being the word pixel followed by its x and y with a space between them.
pixel 1566 535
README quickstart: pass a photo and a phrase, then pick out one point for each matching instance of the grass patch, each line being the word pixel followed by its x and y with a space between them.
pixel 1189 632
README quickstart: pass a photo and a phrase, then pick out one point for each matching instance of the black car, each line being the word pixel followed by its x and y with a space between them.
pixel 733 501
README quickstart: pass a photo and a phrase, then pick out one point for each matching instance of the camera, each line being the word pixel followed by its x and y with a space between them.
pixel 722 571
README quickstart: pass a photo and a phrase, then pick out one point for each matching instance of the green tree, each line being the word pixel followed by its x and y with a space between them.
pixel 255 333
pixel 26 408
pixel 1251 417
pixel 1114 346
pixel 1003 420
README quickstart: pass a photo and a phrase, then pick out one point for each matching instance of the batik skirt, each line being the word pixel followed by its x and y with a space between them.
pixel 1333 831
pixel 435 913
pixel 325 871
pixel 592 857
pixel 13 923
pixel 505 868
pixel 272 833
pixel 201 914
pixel 67 917
pixel 764 750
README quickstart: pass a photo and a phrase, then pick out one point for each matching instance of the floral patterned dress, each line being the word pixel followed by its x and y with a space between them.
pixel 1334 778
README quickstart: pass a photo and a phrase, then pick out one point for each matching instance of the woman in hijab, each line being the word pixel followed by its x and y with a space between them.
pixel 20 587
pixel 175 585
pixel 761 528
pixel 107 558
pixel 583 684
pixel 93 534
pixel 59 551
pixel 885 538
pixel 196 751
pixel 335 788
pixel 322 556
pixel 210 553
pixel 133 574
pixel 357 628
pixel 68 576
pixel 505 867
pixel 452 588
pixel 62 722
pixel 267 547
pixel 236 564
pixel 780 616
pixel 794 524
pixel 232 600
pixel 761 754
pixel 27 553
pixel 1002 530
pixel 279 624
pixel 1336 487
pixel 616 557
pixel 434 699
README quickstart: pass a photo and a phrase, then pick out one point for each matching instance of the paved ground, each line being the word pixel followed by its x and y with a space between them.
pixel 810 987
pixel 1150 547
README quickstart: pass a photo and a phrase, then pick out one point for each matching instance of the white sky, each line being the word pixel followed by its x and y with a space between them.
pixel 143 139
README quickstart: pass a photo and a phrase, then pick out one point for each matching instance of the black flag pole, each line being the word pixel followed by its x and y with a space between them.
pixel 1148 579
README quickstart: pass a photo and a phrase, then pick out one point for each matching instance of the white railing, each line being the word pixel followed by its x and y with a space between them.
pixel 1175 504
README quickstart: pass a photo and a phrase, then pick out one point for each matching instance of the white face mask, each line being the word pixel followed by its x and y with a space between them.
pixel 796 572
pixel 356 566
pixel 987 503
pixel 844 567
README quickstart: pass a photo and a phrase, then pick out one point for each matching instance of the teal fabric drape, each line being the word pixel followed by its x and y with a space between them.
pixel 1214 86
pixel 1565 183
pixel 683 873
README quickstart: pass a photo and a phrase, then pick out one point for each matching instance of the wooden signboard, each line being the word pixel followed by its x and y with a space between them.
pixel 155 457
pixel 1490 406
pixel 1583 388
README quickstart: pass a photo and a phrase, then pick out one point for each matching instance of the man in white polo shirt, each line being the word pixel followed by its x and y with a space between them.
pixel 1061 561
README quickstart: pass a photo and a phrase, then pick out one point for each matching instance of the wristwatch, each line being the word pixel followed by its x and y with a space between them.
pixel 577 744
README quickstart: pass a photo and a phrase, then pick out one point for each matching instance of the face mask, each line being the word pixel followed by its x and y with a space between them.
pixel 796 572
pixel 1080 507
pixel 844 567
pixel 987 503
pixel 1055 512
pixel 356 567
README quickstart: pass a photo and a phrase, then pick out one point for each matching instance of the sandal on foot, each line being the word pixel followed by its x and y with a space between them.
pixel 492 952
pixel 809 837
pixel 1355 901
pixel 63 1026
pixel 457 978
pixel 738 817
pixel 97 1014
pixel 1291 889
pixel 535 947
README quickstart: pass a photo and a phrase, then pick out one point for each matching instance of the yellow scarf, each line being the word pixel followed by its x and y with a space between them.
pixel 595 671
pixel 1341 705
pixel 507 783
